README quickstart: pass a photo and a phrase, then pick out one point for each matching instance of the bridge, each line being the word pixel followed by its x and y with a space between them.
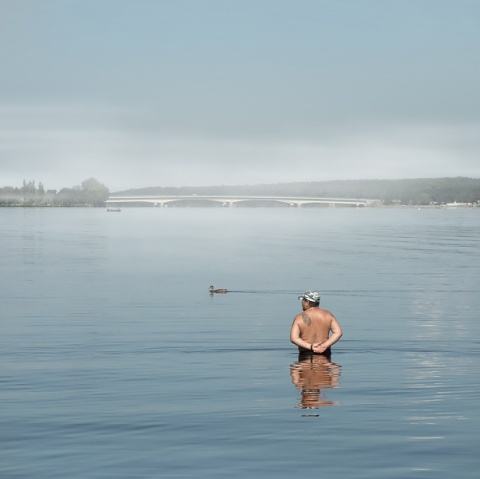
pixel 229 201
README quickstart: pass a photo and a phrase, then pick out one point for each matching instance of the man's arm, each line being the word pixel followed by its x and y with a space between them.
pixel 337 333
pixel 295 336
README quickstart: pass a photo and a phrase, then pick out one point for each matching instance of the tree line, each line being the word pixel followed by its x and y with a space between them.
pixel 90 193
pixel 420 191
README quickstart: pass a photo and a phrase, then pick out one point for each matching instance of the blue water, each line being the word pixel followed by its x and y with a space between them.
pixel 115 361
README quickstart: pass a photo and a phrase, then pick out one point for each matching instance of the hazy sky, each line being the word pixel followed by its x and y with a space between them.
pixel 206 92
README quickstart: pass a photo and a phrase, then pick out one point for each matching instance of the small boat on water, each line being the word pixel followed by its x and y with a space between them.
pixel 113 209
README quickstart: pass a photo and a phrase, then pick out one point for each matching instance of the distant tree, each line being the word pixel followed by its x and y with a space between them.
pixel 9 195
pixel 91 192
pixel 28 192
pixel 94 193
pixel 69 197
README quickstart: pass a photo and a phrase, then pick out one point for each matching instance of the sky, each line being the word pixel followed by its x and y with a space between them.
pixel 140 93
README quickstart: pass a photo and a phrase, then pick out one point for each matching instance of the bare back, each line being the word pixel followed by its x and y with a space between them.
pixel 314 329
pixel 315 324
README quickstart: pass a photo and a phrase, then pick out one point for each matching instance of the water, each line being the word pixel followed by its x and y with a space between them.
pixel 117 363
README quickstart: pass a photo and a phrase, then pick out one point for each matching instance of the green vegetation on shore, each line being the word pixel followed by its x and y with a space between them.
pixel 90 193
pixel 420 191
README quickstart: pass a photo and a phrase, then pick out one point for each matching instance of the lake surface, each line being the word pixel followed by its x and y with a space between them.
pixel 115 361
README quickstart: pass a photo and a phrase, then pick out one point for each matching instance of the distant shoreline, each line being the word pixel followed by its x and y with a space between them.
pixel 421 192
pixel 370 206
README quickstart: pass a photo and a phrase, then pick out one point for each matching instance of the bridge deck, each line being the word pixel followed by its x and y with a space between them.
pixel 227 200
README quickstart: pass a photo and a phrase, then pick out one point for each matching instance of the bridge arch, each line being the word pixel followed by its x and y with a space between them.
pixel 229 201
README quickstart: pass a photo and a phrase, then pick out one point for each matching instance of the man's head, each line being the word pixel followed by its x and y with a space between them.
pixel 310 297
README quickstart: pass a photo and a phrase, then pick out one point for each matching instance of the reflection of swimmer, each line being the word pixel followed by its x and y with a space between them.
pixel 311 374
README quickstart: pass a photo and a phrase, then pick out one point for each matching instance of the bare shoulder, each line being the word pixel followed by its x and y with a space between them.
pixel 297 318
pixel 328 314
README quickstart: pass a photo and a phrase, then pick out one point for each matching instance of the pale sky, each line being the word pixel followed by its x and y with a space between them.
pixel 139 93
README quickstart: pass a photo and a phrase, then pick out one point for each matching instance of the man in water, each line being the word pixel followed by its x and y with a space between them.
pixel 311 329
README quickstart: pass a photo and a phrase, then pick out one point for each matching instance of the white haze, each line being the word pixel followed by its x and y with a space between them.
pixel 180 92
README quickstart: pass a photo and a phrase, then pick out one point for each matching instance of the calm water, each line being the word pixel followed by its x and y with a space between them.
pixel 117 363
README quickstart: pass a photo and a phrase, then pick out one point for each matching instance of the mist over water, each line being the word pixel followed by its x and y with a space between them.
pixel 117 362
